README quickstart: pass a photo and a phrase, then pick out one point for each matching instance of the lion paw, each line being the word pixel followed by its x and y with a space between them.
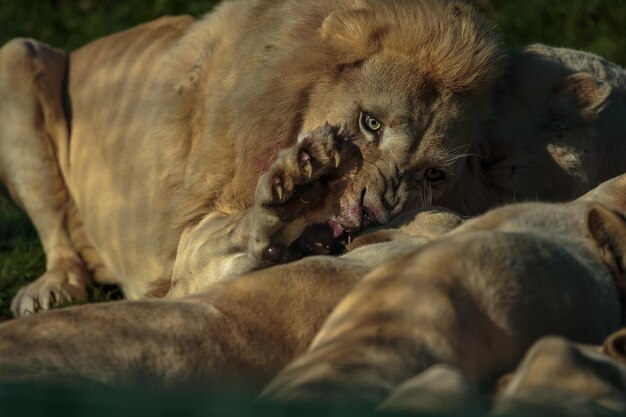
pixel 303 187
pixel 56 287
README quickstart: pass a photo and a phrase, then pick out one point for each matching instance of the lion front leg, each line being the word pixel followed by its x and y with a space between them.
pixel 301 188
pixel 32 127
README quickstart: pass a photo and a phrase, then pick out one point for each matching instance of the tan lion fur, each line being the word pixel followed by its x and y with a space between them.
pixel 563 278
pixel 555 377
pixel 246 328
pixel 173 122
pixel 475 299
pixel 559 377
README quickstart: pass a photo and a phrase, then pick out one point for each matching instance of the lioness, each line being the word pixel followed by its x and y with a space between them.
pixel 476 299
pixel 558 128
pixel 558 377
pixel 139 157
pixel 247 327
pixel 256 323
pixel 555 377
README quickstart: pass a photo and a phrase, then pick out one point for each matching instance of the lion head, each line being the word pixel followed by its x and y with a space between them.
pixel 412 82
pixel 409 80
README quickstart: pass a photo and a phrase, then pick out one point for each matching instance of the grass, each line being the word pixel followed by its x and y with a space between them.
pixel 21 257
pixel 69 24
pixel 595 25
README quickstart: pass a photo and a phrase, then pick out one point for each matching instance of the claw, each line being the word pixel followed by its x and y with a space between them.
pixel 279 191
pixel 305 162
pixel 337 159
pixel 278 187
pixel 308 169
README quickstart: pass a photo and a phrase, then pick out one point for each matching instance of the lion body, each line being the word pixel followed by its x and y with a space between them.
pixel 468 299
pixel 116 177
pixel 248 327
pixel 166 130
pixel 476 299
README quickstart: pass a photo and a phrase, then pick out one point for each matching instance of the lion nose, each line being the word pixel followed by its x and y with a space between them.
pixel 373 212
pixel 352 217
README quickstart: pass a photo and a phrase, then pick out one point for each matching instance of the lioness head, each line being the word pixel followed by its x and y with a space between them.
pixel 412 82
pixel 557 116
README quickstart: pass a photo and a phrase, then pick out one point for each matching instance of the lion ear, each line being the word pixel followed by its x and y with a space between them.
pixel 607 229
pixel 353 34
pixel 580 95
pixel 615 346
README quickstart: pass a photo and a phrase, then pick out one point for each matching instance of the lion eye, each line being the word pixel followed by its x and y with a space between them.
pixel 370 123
pixel 434 175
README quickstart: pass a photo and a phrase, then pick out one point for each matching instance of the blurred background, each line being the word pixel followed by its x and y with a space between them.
pixel 593 25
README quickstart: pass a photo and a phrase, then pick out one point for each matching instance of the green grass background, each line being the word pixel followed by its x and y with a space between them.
pixel 594 25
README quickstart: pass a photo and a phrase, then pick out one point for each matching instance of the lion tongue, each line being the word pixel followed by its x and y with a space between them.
pixel 337 228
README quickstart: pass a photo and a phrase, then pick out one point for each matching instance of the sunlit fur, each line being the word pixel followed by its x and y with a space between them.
pixel 424 67
pixel 171 124
pixel 476 299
